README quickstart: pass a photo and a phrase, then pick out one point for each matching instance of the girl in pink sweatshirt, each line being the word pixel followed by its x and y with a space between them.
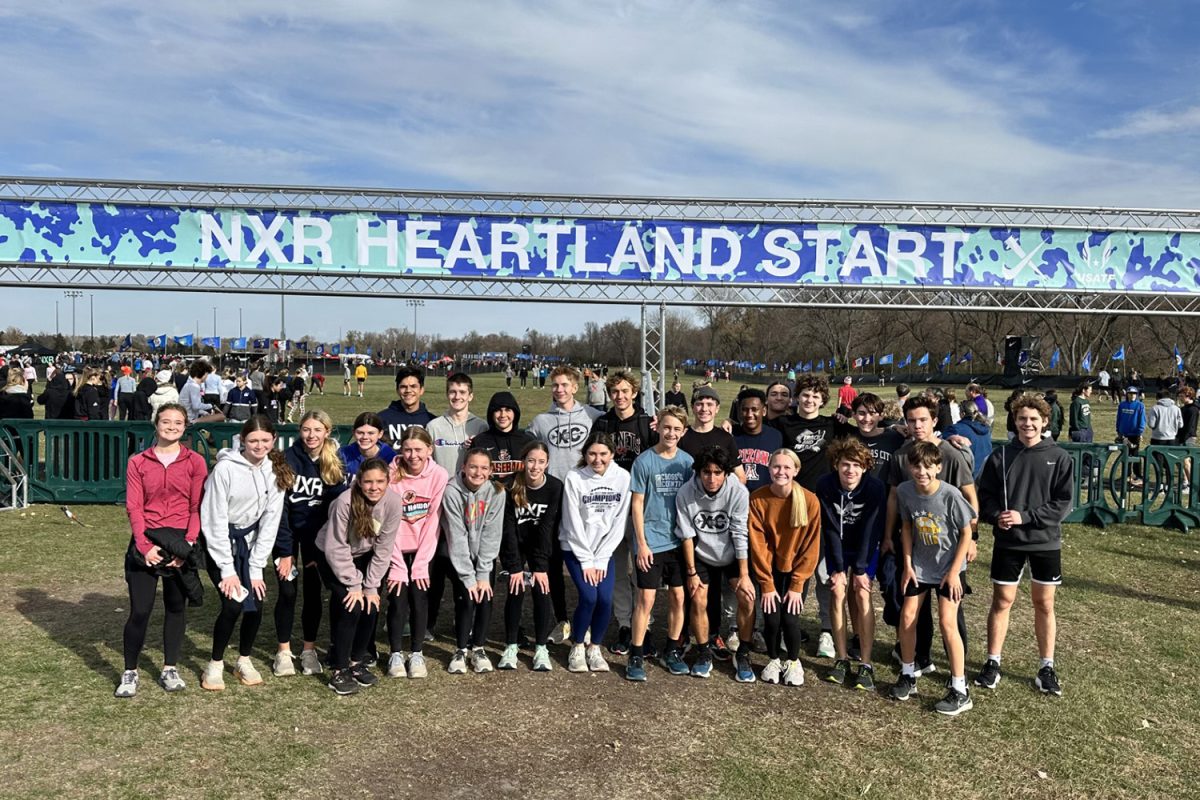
pixel 420 482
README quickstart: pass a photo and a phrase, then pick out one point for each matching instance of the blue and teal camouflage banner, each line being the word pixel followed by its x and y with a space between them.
pixel 450 246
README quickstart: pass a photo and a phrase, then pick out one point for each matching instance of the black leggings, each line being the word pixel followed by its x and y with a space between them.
pixel 439 568
pixel 143 586
pixel 411 606
pixel 227 618
pixel 558 584
pixel 781 617
pixel 543 620
pixel 470 618
pixel 285 607
pixel 352 631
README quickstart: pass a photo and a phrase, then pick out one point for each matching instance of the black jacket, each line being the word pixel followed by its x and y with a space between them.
pixel 305 505
pixel 1040 484
pixel 140 408
pixel 631 436
pixel 57 399
pixel 531 532
pixel 504 446
pixel 16 405
pixel 92 403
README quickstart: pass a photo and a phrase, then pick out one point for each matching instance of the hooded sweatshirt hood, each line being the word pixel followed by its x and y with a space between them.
pixel 503 446
pixel 240 495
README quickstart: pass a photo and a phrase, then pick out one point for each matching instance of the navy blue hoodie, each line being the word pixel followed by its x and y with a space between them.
pixel 396 419
pixel 851 522
pixel 306 504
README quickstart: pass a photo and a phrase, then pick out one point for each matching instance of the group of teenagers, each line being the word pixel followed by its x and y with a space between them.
pixel 736 519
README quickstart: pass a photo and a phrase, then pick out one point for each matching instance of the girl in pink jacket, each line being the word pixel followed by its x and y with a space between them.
pixel 420 482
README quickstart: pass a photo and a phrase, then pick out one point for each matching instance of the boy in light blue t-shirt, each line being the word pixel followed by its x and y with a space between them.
pixel 657 476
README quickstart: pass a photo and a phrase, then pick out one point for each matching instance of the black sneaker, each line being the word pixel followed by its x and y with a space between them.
pixel 865 679
pixel 954 703
pixel 719 651
pixel 841 668
pixel 989 676
pixel 906 687
pixel 649 650
pixel 342 682
pixel 362 675
pixel 621 646
pixel 1047 682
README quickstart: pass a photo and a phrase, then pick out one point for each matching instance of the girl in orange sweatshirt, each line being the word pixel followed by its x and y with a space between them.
pixel 785 542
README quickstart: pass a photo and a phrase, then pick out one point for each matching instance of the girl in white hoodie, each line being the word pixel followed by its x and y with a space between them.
pixel 595 507
pixel 239 518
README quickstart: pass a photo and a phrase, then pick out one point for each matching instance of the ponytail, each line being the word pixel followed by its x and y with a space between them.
pixel 283 472
pixel 333 471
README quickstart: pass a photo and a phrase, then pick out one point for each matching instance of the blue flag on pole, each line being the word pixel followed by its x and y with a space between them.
pixel 261 344
pixel 966 357
pixel 211 341
pixel 320 349
pixel 302 346
pixel 238 343
pixel 907 360
pixel 336 349
pixel 185 340
pixel 127 342
pixel 1054 358
pixel 924 362
pixel 946 360
pixel 159 342
pixel 885 359
pixel 1120 354
pixel 1086 364
pixel 1178 360
pixel 350 349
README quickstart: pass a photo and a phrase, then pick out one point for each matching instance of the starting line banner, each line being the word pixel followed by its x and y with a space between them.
pixel 588 250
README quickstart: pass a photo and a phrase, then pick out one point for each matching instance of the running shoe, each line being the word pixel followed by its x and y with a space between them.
pixel 541 659
pixel 733 642
pixel 310 663
pixel 480 661
pixel 989 676
pixel 508 659
pixel 577 659
pixel 342 682
pixel 170 681
pixel 362 675
pixel 1047 681
pixel 793 673
pixel 213 678
pixel 954 703
pixel 636 669
pixel 561 632
pixel 757 643
pixel 745 670
pixel 906 687
pixel 416 666
pixel 595 659
pixel 621 646
pixel 458 663
pixel 703 666
pixel 772 672
pixel 129 684
pixel 841 668
pixel 673 661
pixel 395 667
pixel 928 668
pixel 246 672
pixel 865 679
pixel 720 651
pixel 283 666
pixel 825 648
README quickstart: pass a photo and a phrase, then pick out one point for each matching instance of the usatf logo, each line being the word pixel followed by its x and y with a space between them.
pixel 711 521
pixel 567 435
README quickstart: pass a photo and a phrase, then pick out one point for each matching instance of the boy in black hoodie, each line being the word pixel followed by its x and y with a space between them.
pixel 503 440
pixel 1025 493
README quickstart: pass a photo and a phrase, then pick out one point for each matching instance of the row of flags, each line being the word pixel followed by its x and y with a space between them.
pixel 242 343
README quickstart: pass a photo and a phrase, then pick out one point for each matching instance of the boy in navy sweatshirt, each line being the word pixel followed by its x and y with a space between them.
pixel 407 410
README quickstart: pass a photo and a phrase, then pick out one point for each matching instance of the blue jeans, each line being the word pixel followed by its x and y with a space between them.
pixel 595 602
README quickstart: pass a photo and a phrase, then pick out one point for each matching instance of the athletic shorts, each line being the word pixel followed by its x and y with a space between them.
pixel 1045 566
pixel 709 573
pixel 666 570
pixel 918 589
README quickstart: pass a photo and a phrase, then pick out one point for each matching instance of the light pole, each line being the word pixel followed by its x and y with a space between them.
pixel 239 323
pixel 415 305
pixel 73 293
pixel 92 314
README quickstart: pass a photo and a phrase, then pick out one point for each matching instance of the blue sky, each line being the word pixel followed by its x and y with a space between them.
pixel 1089 103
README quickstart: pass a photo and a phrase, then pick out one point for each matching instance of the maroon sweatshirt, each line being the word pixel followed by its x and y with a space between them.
pixel 164 497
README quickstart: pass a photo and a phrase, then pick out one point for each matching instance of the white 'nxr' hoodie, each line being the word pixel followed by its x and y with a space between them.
pixel 595 508
pixel 239 494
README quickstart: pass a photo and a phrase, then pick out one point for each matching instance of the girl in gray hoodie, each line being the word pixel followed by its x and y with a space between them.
pixel 472 527
pixel 239 518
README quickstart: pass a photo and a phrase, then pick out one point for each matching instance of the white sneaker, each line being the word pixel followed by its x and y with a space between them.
pixel 310 663
pixel 577 660
pixel 246 673
pixel 793 674
pixel 561 632
pixel 170 681
pixel 541 659
pixel 771 672
pixel 395 667
pixel 508 659
pixel 480 661
pixel 733 643
pixel 595 659
pixel 128 685
pixel 416 666
pixel 213 678
pixel 283 666
pixel 825 648
pixel 458 664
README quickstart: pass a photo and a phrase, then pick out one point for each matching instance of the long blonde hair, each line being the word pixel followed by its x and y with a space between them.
pixel 799 501
pixel 333 471
pixel 82 379
pixel 396 472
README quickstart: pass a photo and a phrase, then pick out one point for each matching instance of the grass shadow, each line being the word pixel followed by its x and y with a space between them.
pixel 1115 590
pixel 1192 564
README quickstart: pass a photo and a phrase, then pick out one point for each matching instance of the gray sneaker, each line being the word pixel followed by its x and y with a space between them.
pixel 480 661
pixel 395 667
pixel 458 663
pixel 577 659
pixel 283 666
pixel 416 666
pixel 170 681
pixel 128 685
pixel 595 659
pixel 310 663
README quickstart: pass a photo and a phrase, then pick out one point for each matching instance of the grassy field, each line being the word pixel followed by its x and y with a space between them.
pixel 1127 725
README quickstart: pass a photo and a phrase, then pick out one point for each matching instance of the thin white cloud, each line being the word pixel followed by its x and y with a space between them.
pixel 1153 122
